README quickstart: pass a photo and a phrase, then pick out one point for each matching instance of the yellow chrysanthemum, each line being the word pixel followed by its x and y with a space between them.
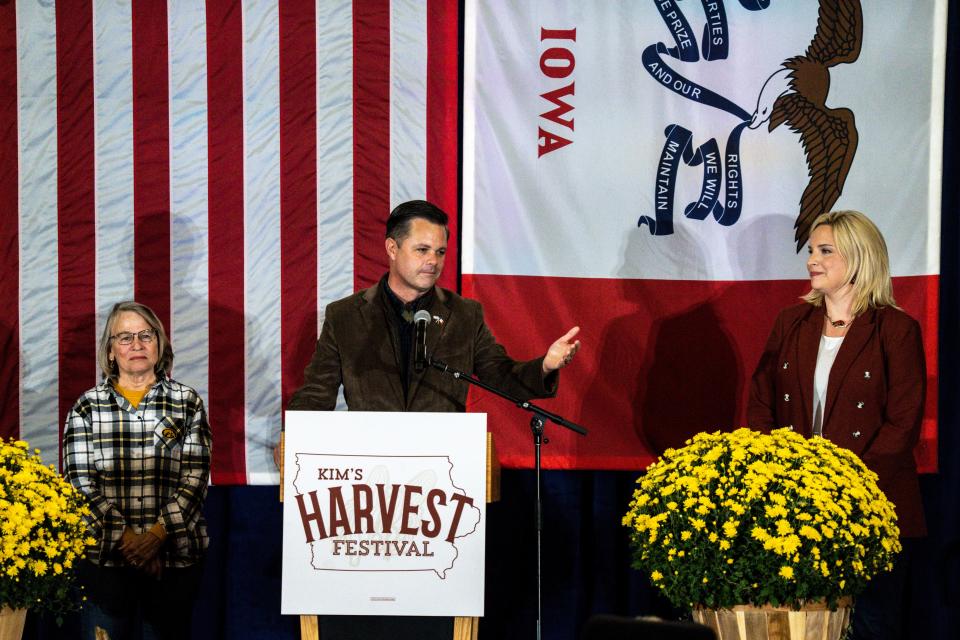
pixel 42 530
pixel 808 509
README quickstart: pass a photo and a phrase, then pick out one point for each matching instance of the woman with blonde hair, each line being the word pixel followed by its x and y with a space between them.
pixel 847 364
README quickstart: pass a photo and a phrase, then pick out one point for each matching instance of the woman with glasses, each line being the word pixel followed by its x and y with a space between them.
pixel 138 447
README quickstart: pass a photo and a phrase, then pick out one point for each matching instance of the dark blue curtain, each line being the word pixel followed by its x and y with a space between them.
pixel 586 559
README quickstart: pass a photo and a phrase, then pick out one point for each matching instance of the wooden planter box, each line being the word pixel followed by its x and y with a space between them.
pixel 777 623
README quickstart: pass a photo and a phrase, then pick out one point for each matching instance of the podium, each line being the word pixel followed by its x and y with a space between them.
pixel 335 524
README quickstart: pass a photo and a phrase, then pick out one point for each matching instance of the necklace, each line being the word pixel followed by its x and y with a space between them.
pixel 838 324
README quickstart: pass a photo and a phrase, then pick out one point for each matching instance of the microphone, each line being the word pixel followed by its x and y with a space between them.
pixel 420 320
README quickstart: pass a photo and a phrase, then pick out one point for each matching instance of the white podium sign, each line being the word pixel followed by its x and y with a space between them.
pixel 384 513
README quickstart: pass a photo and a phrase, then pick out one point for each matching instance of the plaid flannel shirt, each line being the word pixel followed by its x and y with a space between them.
pixel 140 465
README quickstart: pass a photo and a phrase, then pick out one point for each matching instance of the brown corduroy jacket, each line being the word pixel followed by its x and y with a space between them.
pixel 358 349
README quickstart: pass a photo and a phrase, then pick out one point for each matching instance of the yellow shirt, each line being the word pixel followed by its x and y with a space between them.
pixel 133 397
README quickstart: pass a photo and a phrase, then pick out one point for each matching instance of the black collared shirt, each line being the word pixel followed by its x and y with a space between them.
pixel 401 319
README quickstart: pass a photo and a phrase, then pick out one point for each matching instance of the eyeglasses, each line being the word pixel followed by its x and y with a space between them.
pixel 126 338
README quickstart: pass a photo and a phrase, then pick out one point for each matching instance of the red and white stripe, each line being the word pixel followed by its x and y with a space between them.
pixel 229 164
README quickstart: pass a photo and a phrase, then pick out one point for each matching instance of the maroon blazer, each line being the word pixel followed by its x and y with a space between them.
pixel 875 394
pixel 358 349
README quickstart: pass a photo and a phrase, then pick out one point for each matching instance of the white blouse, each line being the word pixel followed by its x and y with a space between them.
pixel 829 346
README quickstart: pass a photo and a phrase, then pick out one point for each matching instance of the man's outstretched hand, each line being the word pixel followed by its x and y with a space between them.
pixel 561 352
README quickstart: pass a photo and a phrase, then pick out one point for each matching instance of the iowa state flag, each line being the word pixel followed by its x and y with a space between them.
pixel 649 171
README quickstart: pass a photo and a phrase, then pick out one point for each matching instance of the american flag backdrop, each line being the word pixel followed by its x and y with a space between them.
pixel 229 163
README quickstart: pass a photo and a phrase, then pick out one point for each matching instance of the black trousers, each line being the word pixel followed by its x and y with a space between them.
pixel 129 604
pixel 878 611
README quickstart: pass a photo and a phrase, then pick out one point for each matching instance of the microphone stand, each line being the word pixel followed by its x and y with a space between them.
pixel 537 421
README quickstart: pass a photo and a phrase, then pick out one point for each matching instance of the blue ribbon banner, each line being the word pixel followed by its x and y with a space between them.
pixel 670 79
pixel 678 146
pixel 733 187
pixel 715 45
pixel 673 17
pixel 715 42
pixel 708 154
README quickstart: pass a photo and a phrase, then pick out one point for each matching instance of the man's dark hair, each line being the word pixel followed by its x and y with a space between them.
pixel 398 224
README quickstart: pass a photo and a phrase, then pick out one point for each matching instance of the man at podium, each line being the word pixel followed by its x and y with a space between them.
pixel 367 340
pixel 369 344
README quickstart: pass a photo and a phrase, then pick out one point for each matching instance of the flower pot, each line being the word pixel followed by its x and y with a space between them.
pixel 777 623
pixel 11 623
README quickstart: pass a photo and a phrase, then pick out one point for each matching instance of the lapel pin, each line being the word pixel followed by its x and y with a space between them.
pixel 866 375
pixel 438 320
